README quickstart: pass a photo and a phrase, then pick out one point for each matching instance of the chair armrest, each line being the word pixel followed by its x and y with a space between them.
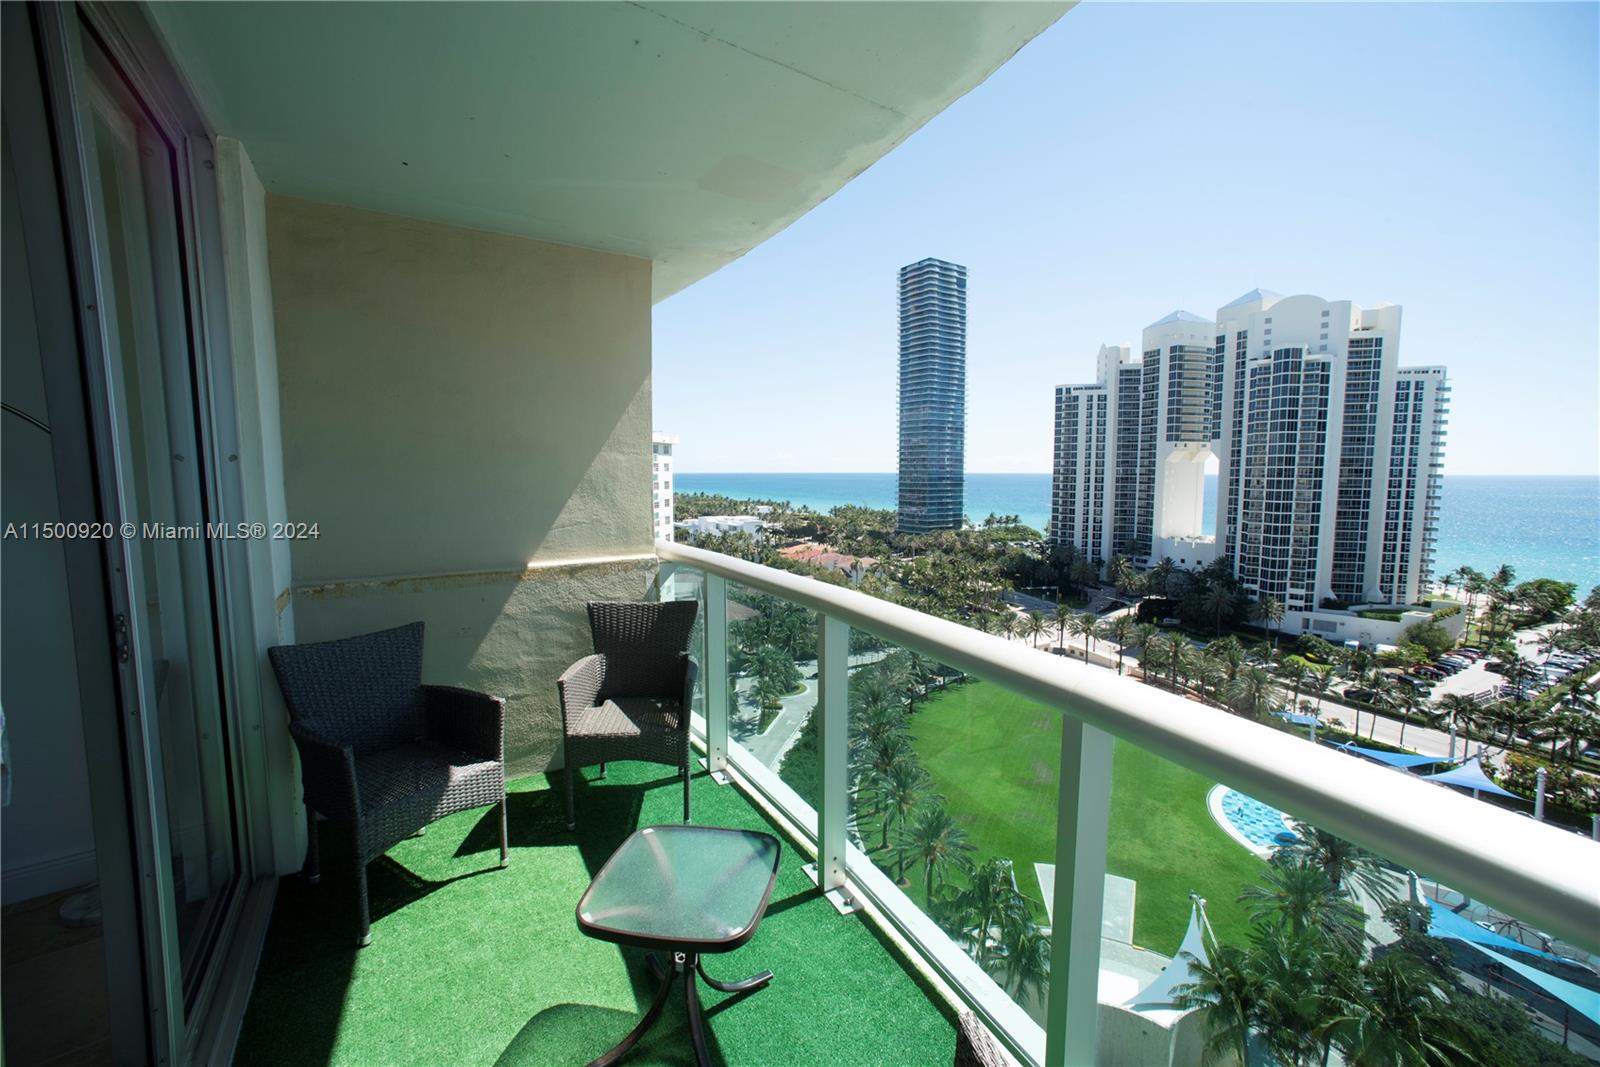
pixel 976 1047
pixel 466 719
pixel 579 686
pixel 328 771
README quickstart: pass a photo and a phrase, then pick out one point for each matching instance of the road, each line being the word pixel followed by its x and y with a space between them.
pixel 770 745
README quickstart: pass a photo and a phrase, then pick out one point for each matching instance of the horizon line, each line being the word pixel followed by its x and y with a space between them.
pixel 1211 474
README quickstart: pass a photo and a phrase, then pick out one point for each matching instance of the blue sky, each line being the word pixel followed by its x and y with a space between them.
pixel 1136 158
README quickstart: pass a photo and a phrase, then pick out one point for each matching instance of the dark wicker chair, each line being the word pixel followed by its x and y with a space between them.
pixel 382 754
pixel 976 1046
pixel 630 700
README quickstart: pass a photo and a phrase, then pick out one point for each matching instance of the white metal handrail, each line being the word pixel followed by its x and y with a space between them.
pixel 1528 869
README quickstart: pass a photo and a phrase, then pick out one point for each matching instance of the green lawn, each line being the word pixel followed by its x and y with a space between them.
pixel 995 758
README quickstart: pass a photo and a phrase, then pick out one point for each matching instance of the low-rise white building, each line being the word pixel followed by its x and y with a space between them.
pixel 712 525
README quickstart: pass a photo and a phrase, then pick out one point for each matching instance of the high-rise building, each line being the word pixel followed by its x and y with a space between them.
pixel 1097 439
pixel 1328 453
pixel 661 483
pixel 1175 441
pixel 933 395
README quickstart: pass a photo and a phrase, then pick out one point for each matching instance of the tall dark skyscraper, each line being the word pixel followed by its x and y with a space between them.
pixel 933 395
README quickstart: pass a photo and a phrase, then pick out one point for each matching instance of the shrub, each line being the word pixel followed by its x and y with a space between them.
pixel 1563 786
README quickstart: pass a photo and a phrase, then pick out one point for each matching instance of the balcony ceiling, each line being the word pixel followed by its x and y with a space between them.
pixel 685 133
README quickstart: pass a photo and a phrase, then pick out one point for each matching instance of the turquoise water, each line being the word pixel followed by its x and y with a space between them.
pixel 1545 527
pixel 1258 823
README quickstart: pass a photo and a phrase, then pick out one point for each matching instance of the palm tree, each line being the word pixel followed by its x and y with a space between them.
pixel 1036 625
pixel 1303 992
pixel 1121 574
pixel 1083 625
pixel 981 909
pixel 1153 657
pixel 1186 664
pixel 1063 615
pixel 1269 609
pixel 1344 863
pixel 1161 574
pixel 1226 990
pixel 1318 682
pixel 1219 600
pixel 903 790
pixel 1407 700
pixel 1212 675
pixel 1296 894
pixel 921 671
pixel 1118 629
pixel 1473 584
pixel 1016 624
pixel 1026 956
pixel 1295 671
pixel 1167 648
pixel 1402 1016
pixel 939 843
pixel 1496 617
pixel 1458 706
pixel 1251 692
pixel 1230 652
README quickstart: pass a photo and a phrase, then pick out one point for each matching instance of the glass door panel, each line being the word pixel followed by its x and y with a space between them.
pixel 161 489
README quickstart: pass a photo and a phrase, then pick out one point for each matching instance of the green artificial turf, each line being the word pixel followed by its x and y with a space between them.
pixel 995 757
pixel 474 965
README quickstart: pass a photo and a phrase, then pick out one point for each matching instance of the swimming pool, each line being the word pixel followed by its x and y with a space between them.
pixel 1259 827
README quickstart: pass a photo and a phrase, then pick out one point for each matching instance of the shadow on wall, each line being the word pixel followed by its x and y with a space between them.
pixel 455 404
pixel 509 634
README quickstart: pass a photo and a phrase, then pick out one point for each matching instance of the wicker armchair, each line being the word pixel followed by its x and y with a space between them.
pixel 631 699
pixel 381 753
pixel 976 1046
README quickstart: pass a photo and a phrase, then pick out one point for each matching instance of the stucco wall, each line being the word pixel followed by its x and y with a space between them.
pixel 457 405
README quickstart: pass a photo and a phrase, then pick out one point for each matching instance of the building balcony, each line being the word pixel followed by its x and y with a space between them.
pixel 843 930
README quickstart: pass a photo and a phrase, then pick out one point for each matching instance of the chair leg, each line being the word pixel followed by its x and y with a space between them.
pixel 505 840
pixel 685 790
pixel 313 867
pixel 364 923
pixel 602 775
pixel 572 813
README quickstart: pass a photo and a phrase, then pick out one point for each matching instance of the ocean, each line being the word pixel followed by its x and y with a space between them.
pixel 1545 527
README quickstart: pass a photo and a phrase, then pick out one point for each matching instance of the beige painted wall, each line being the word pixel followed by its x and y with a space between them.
pixel 456 405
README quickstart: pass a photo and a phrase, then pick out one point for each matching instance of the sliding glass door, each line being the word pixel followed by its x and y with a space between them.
pixel 156 424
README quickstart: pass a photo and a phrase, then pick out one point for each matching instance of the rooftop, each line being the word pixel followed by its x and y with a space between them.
pixel 1179 316
pixel 1252 296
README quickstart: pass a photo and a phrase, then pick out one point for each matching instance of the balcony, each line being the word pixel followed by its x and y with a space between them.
pixel 844 930
pixel 376 306
pixel 471 964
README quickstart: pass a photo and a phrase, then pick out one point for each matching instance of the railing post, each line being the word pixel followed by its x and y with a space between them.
pixel 1072 1012
pixel 833 725
pixel 715 674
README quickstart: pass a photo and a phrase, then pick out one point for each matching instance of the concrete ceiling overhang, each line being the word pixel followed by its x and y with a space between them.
pixel 685 133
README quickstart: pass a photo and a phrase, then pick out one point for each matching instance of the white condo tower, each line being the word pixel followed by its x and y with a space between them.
pixel 1329 453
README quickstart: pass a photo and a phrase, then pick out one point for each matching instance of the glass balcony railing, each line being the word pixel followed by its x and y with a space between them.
pixel 1048 838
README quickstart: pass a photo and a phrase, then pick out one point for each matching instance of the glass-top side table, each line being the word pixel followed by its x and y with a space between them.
pixel 685 890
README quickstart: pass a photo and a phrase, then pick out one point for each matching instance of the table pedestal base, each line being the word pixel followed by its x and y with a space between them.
pixel 687 964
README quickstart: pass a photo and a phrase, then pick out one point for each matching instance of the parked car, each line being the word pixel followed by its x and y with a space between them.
pixel 1358 693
